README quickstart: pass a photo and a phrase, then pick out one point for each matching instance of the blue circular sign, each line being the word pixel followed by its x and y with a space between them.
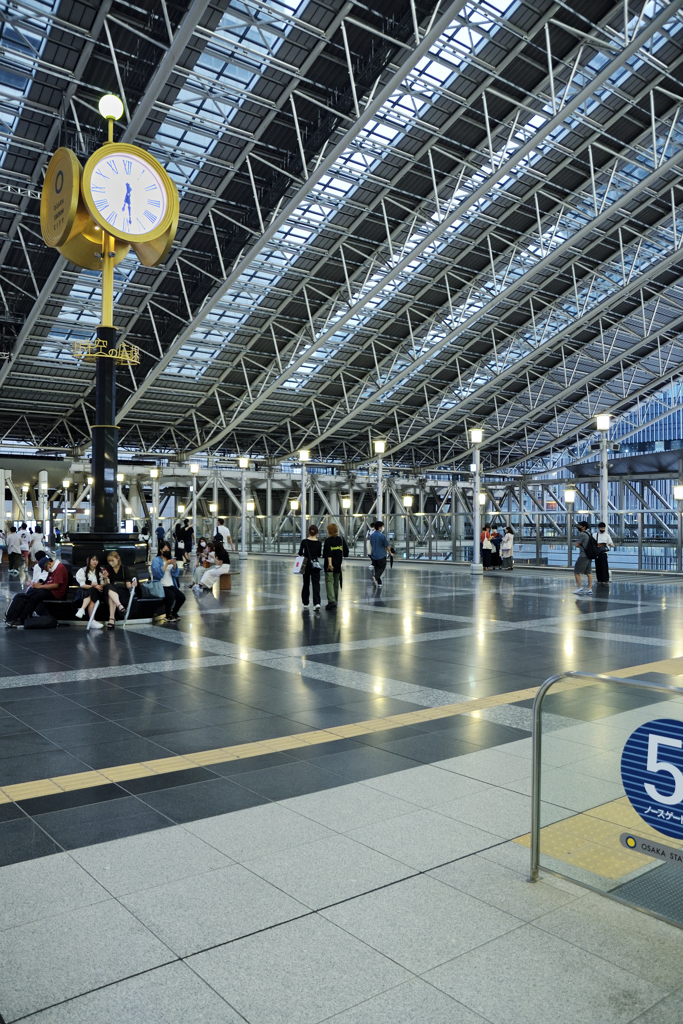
pixel 652 774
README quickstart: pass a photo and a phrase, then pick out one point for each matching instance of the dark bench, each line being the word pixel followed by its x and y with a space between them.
pixel 65 609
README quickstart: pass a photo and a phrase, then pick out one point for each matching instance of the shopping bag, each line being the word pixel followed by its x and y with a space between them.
pixel 299 567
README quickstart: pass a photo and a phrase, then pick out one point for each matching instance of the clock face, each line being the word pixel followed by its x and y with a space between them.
pixel 128 193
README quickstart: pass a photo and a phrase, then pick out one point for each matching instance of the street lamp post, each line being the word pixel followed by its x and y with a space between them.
pixel 304 456
pixel 194 470
pixel 154 474
pixel 66 484
pixel 380 447
pixel 603 425
pixel 243 463
pixel 678 495
pixel 407 504
pixel 569 499
pixel 476 437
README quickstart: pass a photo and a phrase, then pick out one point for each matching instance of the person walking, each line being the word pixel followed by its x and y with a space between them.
pixel 335 550
pixel 188 541
pixel 604 541
pixel 486 547
pixel 312 549
pixel 379 547
pixel 223 532
pixel 14 551
pixel 582 566
pixel 25 541
pixel 161 535
pixel 506 548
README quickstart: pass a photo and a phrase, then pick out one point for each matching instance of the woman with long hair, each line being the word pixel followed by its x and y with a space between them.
pixel 312 549
pixel 121 581
pixel 93 582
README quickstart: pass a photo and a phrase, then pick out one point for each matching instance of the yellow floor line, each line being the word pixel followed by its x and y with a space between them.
pixel 202 758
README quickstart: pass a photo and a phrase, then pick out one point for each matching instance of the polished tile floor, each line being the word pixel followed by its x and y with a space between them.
pixel 212 821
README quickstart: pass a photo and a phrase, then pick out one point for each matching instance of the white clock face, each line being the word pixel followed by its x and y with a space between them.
pixel 128 193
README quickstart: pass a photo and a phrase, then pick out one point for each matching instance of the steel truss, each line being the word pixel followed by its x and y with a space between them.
pixel 395 223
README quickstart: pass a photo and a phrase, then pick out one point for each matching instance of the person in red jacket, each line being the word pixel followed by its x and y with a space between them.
pixel 55 586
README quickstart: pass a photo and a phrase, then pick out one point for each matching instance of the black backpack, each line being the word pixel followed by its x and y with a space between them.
pixel 592 549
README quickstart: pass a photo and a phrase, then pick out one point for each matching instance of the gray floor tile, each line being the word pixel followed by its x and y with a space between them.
pixel 640 944
pixel 669 1011
pixel 151 859
pixel 531 977
pixel 299 973
pixel 506 888
pixel 565 787
pixel 414 1002
pixel 35 889
pixel 194 913
pixel 499 811
pixel 328 871
pixel 168 995
pixel 420 923
pixel 494 766
pixel 257 831
pixel 424 839
pixel 60 957
pixel 351 806
pixel 427 785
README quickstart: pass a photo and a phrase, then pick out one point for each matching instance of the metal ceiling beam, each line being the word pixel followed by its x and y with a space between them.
pixel 300 195
pixel 503 170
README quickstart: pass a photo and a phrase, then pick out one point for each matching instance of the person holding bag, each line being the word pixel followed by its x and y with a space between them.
pixel 486 547
pixel 311 549
pixel 506 548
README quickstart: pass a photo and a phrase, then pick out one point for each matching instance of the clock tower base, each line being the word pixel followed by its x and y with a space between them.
pixel 105 440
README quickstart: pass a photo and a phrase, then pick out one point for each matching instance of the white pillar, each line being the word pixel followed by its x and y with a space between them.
pixel 379 487
pixel 303 501
pixel 476 567
pixel 604 481
pixel 155 515
pixel 42 498
pixel 194 505
pixel 243 532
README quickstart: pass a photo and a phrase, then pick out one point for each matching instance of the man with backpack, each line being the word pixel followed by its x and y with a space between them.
pixel 588 552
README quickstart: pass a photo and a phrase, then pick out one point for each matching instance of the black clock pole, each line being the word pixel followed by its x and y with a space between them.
pixel 105 438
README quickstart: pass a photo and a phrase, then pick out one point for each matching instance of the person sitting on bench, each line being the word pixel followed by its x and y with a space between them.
pixel 220 567
pixel 93 581
pixel 55 587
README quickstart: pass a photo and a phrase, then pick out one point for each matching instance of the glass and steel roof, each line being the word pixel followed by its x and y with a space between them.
pixel 397 220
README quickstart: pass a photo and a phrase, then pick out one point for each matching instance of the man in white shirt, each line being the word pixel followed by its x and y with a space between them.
pixel 14 551
pixel 605 544
pixel 37 544
pixel 224 533
pixel 25 542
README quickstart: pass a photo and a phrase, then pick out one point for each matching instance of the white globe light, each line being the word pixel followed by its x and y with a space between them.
pixel 110 106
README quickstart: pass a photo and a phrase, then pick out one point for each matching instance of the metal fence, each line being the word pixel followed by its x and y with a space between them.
pixel 643 540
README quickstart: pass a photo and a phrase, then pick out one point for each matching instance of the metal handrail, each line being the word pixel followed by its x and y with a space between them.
pixel 536 748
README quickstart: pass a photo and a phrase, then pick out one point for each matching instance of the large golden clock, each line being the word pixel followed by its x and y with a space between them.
pixel 62 213
pixel 129 195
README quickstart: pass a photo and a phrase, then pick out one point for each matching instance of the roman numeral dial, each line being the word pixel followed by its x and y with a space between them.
pixel 127 192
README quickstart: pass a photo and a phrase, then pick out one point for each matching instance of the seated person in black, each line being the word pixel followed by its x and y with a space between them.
pixel 312 549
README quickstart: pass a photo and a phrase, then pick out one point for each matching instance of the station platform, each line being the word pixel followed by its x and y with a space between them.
pixel 269 814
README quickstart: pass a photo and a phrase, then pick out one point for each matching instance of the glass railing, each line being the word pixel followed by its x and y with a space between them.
pixel 607 789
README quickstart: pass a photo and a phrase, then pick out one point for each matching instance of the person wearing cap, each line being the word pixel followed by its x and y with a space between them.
pixel 582 566
pixel 55 587
pixel 379 547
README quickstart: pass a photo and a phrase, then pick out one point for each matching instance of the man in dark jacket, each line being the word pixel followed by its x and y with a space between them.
pixel 335 550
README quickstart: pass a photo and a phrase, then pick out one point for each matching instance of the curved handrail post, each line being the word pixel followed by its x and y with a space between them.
pixel 536 776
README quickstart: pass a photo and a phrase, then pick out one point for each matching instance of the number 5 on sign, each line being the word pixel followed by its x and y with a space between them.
pixel 652 774
pixel 653 765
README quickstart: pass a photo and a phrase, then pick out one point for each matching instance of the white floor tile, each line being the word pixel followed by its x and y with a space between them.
pixel 421 922
pixel 414 1002
pixel 530 977
pixel 217 906
pixel 144 861
pixel 427 785
pixel 493 766
pixel 299 973
pixel 348 807
pixel 257 831
pixel 35 889
pixel 328 871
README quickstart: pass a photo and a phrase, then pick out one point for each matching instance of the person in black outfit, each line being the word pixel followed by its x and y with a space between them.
pixel 335 550
pixel 188 539
pixel 312 549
